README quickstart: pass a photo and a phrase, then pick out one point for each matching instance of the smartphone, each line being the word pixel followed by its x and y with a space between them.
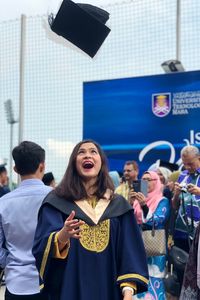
pixel 140 185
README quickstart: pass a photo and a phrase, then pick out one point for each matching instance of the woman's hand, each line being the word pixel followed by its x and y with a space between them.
pixel 141 199
pixel 71 229
pixel 131 196
pixel 136 196
pixel 127 295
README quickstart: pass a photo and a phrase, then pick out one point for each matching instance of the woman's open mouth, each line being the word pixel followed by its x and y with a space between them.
pixel 88 165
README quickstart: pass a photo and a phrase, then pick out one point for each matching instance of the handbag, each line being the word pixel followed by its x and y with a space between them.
pixel 154 241
pixel 178 258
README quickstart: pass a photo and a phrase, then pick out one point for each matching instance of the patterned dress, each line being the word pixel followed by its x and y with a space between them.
pixel 156 264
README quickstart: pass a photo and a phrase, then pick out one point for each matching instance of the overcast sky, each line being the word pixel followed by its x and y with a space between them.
pixel 12 9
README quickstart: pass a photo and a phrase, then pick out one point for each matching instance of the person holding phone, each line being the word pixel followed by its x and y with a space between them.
pixel 152 210
pixel 87 243
pixel 130 174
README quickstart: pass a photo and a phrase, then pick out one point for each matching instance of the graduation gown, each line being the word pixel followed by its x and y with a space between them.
pixel 109 253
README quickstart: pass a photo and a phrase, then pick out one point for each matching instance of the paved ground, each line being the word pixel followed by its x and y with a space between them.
pixel 2 290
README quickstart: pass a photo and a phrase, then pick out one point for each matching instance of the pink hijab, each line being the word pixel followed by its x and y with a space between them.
pixel 153 198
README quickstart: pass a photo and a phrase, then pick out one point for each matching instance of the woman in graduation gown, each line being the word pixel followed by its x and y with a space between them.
pixel 87 242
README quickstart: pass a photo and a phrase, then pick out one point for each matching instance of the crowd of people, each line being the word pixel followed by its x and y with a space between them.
pixel 82 238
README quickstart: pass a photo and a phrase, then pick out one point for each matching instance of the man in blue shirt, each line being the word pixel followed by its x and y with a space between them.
pixel 18 220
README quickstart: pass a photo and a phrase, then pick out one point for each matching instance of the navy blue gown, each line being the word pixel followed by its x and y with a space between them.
pixel 108 253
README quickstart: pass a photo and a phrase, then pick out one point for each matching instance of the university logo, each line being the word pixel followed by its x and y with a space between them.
pixel 161 104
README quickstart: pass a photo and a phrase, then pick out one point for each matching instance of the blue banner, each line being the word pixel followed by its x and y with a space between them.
pixel 143 118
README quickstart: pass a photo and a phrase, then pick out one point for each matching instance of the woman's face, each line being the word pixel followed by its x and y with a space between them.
pixel 88 161
pixel 151 182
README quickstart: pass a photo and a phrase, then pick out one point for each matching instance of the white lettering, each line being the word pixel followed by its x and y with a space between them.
pixel 149 147
pixel 197 138
pixel 194 138
pixel 191 136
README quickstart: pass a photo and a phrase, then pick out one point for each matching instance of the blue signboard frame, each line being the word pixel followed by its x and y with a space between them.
pixel 143 118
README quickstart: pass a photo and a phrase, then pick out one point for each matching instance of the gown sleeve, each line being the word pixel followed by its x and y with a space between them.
pixel 50 221
pixel 132 265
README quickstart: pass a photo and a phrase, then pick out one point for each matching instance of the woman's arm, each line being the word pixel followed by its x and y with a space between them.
pixel 132 264
pixel 160 215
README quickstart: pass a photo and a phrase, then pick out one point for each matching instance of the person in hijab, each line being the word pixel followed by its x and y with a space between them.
pixel 164 174
pixel 152 210
pixel 87 244
pixel 115 178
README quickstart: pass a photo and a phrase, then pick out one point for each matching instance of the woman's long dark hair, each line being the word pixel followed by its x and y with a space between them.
pixel 71 186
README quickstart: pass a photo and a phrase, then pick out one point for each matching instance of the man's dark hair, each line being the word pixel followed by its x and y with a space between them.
pixel 2 169
pixel 71 186
pixel 48 178
pixel 27 157
pixel 133 163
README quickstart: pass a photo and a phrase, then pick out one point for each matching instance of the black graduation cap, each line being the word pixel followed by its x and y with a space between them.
pixel 171 166
pixel 81 24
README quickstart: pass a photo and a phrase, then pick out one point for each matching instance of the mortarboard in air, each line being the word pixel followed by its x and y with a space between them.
pixel 81 24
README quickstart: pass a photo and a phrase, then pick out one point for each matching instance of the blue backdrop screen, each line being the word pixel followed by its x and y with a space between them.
pixel 143 118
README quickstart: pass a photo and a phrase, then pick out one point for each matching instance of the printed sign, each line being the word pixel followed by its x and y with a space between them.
pixel 143 118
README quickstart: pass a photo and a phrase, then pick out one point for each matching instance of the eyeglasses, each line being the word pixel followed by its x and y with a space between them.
pixel 128 171
pixel 149 179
